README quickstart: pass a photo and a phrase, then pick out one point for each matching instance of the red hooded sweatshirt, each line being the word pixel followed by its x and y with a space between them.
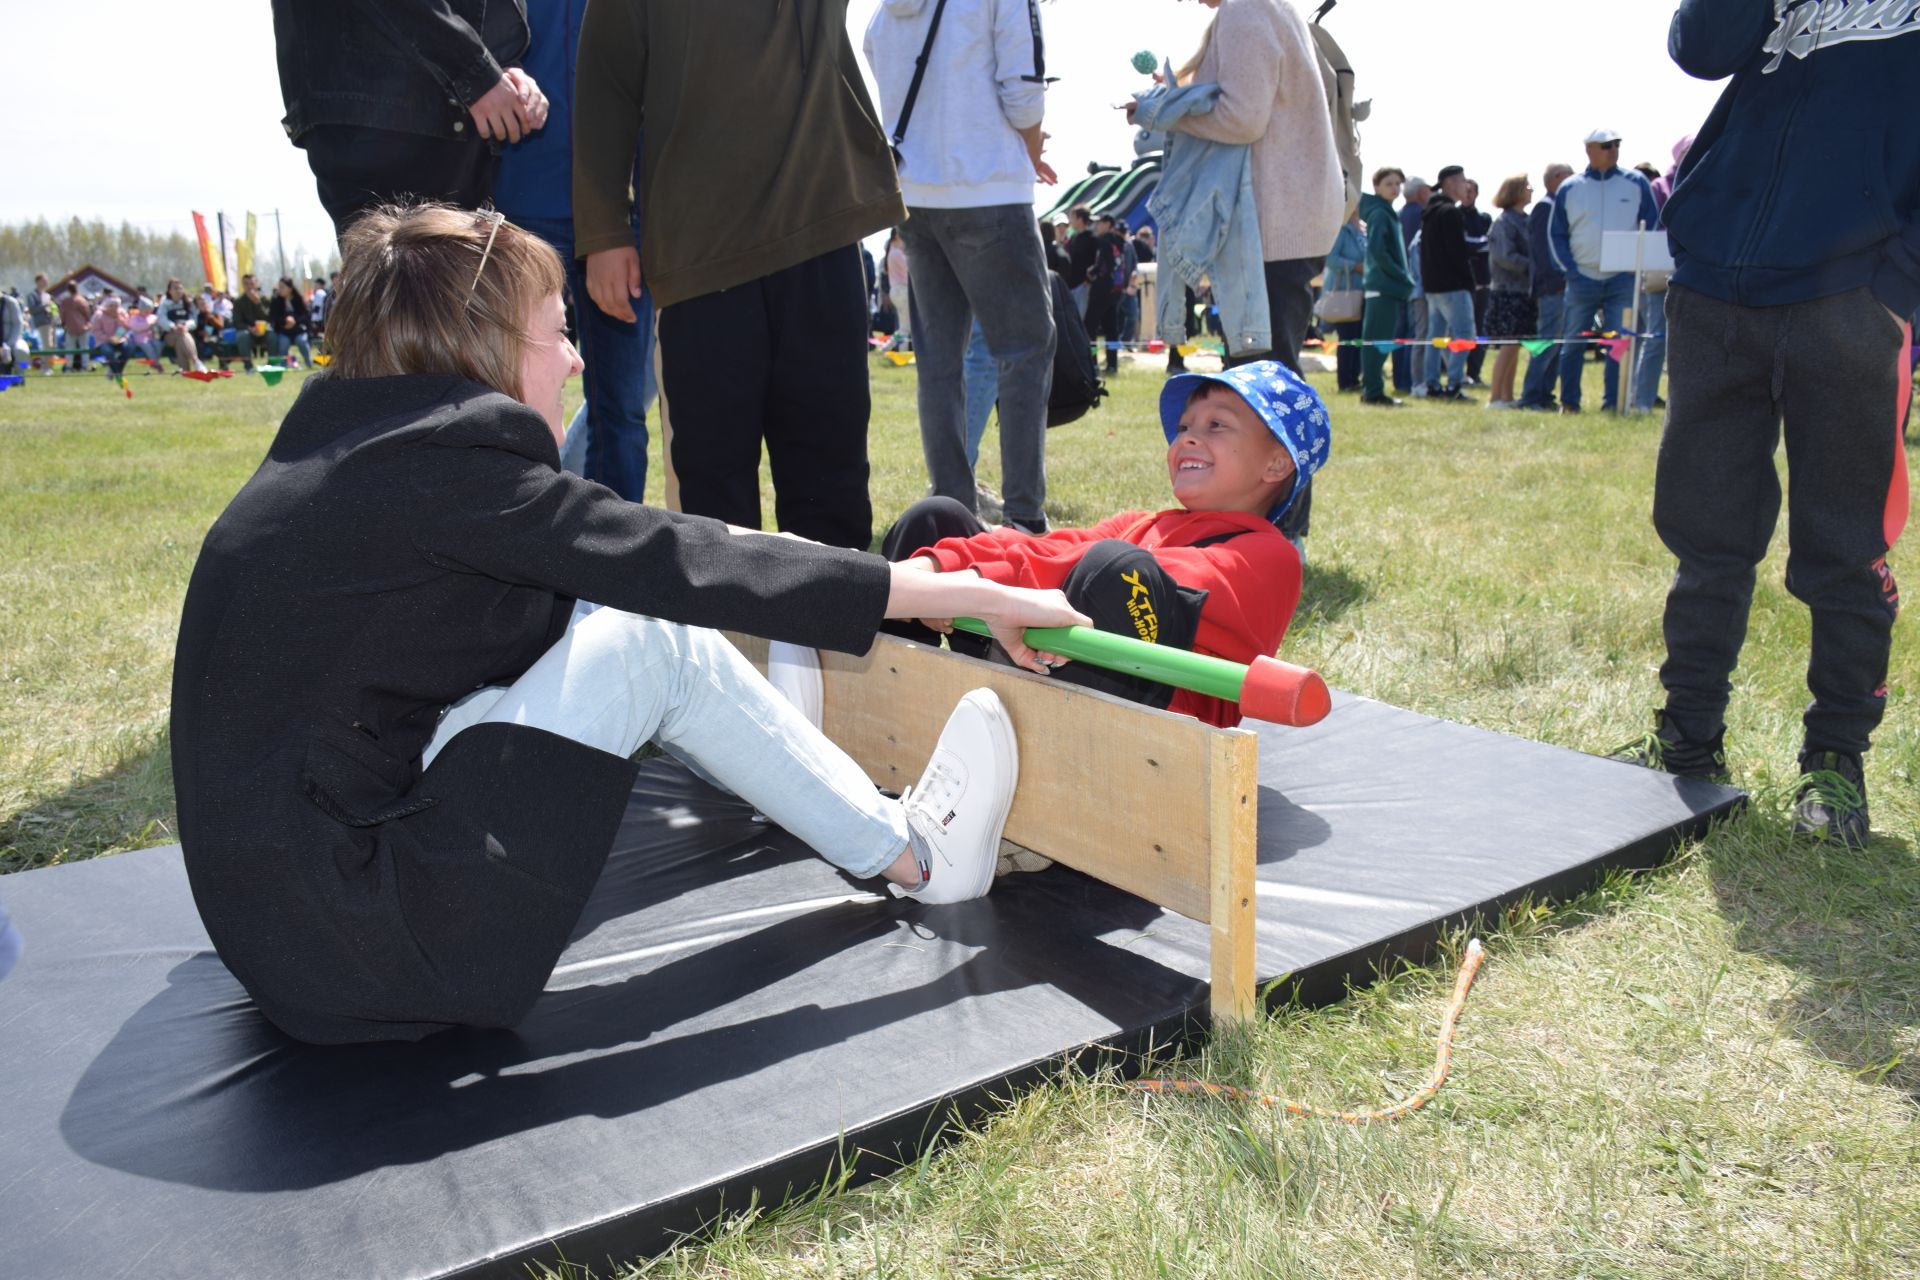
pixel 1252 581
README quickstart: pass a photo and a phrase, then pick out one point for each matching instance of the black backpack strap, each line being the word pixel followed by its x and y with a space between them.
pixel 919 74
pixel 1216 539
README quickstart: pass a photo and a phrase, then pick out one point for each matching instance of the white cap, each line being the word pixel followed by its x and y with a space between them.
pixel 1604 135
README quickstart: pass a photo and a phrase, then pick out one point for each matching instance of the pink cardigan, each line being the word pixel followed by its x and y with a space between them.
pixel 1272 95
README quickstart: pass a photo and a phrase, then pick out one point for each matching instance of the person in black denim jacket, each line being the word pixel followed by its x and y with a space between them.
pixel 404 96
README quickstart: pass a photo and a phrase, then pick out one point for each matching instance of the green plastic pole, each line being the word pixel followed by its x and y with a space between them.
pixel 1268 689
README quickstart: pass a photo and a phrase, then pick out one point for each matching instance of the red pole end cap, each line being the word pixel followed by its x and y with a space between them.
pixel 1281 693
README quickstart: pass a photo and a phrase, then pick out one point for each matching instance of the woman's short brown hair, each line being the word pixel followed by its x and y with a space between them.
pixel 1512 193
pixel 424 293
pixel 1381 175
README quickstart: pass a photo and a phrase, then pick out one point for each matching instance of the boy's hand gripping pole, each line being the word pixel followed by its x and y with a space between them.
pixel 1267 689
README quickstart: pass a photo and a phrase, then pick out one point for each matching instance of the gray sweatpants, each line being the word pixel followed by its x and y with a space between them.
pixel 1834 371
pixel 986 263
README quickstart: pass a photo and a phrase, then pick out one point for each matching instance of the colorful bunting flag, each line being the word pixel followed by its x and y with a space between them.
pixel 901 358
pixel 1536 346
pixel 1461 344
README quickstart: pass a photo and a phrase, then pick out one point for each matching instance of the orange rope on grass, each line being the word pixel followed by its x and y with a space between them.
pixel 1442 1062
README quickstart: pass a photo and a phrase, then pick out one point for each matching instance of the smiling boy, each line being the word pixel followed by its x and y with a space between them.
pixel 1212 573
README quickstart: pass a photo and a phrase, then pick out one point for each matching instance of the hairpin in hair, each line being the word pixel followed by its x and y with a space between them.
pixel 485 253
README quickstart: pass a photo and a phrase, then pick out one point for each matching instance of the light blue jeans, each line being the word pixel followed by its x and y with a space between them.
pixel 1449 315
pixel 617 680
pixel 982 380
pixel 1651 353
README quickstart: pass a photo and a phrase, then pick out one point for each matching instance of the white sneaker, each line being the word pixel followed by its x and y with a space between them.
pixel 959 807
pixel 795 671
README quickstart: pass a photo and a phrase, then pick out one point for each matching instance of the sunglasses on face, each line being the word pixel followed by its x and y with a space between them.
pixel 1610 146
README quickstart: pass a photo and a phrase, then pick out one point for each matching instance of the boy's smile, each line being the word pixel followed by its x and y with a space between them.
pixel 1223 458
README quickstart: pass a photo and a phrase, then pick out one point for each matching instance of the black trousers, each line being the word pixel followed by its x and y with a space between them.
pixel 1346 359
pixel 1103 322
pixel 1477 358
pixel 781 359
pixel 1290 306
pixel 1832 371
pixel 358 168
pixel 1120 586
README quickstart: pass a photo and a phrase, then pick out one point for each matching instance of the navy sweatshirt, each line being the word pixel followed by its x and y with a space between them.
pixel 1805 180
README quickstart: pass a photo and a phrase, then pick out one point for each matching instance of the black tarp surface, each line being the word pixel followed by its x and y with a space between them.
pixel 732 1013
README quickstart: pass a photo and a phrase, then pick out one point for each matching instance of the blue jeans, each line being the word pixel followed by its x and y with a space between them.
pixel 1129 307
pixel 1537 391
pixel 982 379
pixel 617 680
pixel 1595 305
pixel 282 342
pixel 618 380
pixel 1414 367
pixel 1449 315
pixel 1650 354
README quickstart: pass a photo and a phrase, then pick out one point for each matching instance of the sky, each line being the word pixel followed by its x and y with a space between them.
pixel 192 120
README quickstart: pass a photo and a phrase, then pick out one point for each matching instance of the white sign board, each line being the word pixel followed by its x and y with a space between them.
pixel 1618 250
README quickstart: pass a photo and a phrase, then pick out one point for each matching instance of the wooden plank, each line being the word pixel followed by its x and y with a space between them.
pixel 1127 794
pixel 1232 833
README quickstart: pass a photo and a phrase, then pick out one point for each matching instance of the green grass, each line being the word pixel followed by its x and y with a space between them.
pixel 1712 1070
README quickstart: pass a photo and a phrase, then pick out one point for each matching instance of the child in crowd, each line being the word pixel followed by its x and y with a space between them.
pixel 140 334
pixel 1212 573
pixel 401 749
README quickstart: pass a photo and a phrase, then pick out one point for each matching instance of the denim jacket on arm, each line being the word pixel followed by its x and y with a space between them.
pixel 1208 226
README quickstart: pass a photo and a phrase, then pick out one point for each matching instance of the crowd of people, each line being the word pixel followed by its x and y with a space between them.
pixel 1441 268
pixel 76 330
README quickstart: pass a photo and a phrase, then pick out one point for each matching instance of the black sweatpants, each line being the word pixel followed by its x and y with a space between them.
pixel 1120 586
pixel 1834 371
pixel 781 359
pixel 1290 308
pixel 356 168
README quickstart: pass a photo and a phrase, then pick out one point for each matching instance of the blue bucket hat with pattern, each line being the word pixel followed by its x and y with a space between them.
pixel 1292 410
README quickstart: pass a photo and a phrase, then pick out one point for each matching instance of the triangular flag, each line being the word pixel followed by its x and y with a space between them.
pixel 1461 344
pixel 1535 346
pixel 901 358
pixel 1441 343
pixel 1155 346
pixel 322 359
pixel 1616 348
pixel 1187 348
pixel 1384 344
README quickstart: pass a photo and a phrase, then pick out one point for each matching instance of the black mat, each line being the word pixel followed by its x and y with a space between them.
pixel 732 1013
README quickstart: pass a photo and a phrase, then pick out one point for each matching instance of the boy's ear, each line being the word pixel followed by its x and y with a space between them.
pixel 1280 465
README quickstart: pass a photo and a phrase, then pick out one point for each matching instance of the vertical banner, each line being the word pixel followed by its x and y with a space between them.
pixel 230 235
pixel 209 254
pixel 245 247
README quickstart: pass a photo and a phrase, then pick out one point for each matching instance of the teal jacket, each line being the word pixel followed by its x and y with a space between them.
pixel 1387 273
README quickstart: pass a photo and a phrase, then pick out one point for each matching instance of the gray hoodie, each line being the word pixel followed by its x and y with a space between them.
pixel 985 81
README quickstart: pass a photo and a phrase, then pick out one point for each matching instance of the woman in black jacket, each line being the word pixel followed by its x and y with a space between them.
pixel 401 748
pixel 287 321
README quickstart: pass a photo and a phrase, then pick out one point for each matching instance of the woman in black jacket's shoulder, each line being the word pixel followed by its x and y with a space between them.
pixel 401 748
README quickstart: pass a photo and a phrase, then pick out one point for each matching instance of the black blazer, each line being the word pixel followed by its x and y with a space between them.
pixel 407 541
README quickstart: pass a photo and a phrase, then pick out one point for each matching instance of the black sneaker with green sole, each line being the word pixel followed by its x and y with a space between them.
pixel 1670 751
pixel 1832 803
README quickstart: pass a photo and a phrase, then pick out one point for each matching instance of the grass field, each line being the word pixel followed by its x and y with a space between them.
pixel 1711 1070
